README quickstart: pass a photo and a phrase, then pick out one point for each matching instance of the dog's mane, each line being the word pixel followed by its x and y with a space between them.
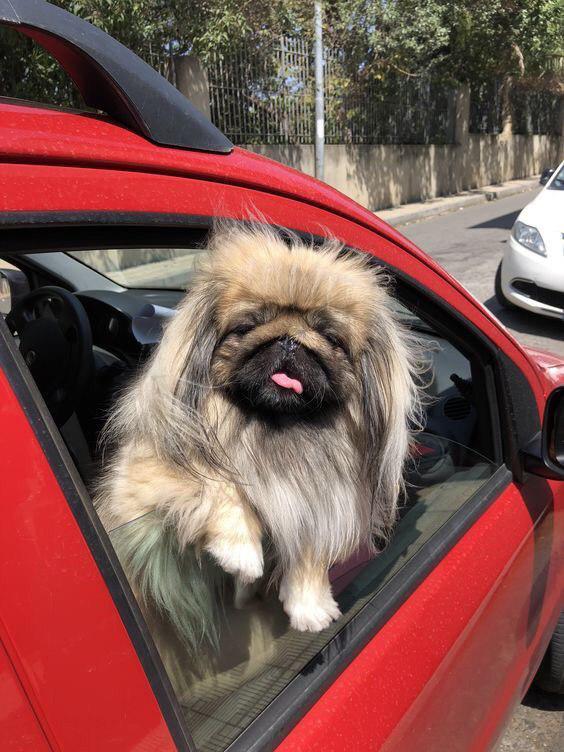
pixel 311 473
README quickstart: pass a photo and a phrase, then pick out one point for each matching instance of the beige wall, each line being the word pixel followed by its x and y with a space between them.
pixel 379 176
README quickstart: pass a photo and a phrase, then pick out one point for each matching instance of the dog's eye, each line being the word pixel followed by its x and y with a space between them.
pixel 334 340
pixel 241 329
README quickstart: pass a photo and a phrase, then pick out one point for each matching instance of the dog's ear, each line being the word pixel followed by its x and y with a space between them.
pixel 164 406
pixel 390 406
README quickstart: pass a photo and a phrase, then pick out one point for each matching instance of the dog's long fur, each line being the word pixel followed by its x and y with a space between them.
pixel 215 480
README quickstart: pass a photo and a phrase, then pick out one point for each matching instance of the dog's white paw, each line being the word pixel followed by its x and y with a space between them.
pixel 311 615
pixel 243 560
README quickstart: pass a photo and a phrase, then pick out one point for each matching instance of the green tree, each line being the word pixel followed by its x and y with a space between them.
pixel 505 37
pixel 461 40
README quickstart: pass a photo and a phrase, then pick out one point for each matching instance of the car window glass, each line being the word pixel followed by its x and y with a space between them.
pixel 168 268
pixel 557 183
pixel 259 653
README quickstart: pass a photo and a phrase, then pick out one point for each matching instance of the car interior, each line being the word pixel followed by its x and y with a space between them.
pixel 86 318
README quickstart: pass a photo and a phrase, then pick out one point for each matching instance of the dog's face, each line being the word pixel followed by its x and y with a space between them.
pixel 279 359
pixel 291 324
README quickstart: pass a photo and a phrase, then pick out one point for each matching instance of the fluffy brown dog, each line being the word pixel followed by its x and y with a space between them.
pixel 275 414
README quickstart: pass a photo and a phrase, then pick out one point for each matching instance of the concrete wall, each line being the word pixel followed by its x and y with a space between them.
pixel 380 176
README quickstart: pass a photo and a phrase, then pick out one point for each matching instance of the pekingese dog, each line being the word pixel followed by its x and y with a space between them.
pixel 270 428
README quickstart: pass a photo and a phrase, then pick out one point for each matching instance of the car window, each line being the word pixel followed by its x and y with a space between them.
pixel 259 653
pixel 557 183
pixel 168 268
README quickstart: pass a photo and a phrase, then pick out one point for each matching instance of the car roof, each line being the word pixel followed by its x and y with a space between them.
pixel 41 134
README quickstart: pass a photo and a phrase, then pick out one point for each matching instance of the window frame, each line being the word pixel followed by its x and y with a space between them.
pixel 506 386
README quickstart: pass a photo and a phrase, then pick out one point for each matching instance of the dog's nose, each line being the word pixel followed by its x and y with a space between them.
pixel 288 344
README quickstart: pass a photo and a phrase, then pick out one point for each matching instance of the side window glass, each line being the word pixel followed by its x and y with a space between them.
pixel 250 653
pixel 258 655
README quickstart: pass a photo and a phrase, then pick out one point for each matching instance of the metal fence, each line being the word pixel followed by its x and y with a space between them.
pixel 486 107
pixel 532 110
pixel 392 112
pixel 266 95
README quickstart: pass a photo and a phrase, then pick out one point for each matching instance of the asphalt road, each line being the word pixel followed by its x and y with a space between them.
pixel 469 244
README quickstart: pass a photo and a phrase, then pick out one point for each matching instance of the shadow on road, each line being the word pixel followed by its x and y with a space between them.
pixel 505 222
pixel 527 323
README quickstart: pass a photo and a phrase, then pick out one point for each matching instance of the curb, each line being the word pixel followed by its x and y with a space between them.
pixel 493 192
pixel 395 218
pixel 435 207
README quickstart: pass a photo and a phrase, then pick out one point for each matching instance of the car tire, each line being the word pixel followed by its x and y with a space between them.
pixel 550 676
pixel 500 297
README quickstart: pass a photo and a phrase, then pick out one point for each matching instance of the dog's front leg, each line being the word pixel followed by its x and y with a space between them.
pixel 233 534
pixel 305 592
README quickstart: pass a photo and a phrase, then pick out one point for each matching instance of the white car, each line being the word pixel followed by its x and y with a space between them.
pixel 531 274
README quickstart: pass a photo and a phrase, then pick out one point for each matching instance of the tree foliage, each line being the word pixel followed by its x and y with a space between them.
pixel 461 40
pixel 458 39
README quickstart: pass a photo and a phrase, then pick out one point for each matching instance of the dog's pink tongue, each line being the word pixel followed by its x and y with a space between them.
pixel 282 379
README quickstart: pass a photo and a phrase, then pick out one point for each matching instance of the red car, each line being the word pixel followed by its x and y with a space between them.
pixel 101 217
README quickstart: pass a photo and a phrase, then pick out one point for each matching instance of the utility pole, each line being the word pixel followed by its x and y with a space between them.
pixel 319 92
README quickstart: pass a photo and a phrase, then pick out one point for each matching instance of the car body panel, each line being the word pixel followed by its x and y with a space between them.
pixel 58 622
pixel 552 366
pixel 545 359
pixel 447 669
pixel 545 211
pixel 51 136
pixel 425 680
pixel 19 727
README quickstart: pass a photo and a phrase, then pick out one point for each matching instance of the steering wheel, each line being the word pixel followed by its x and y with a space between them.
pixel 56 343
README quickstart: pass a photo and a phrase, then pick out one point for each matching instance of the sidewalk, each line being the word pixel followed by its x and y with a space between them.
pixel 402 215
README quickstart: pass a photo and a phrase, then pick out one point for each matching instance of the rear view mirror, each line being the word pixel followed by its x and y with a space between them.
pixel 13 286
pixel 5 296
pixel 553 430
pixel 545 454
pixel 546 175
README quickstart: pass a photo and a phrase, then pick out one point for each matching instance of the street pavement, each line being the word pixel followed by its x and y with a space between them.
pixel 469 244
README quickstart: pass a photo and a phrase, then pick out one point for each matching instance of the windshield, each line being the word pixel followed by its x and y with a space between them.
pixel 167 268
pixel 557 183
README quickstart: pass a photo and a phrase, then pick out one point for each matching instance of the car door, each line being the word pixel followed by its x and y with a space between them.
pixel 67 624
pixel 438 641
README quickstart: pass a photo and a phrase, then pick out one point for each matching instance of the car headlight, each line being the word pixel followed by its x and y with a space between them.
pixel 529 236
